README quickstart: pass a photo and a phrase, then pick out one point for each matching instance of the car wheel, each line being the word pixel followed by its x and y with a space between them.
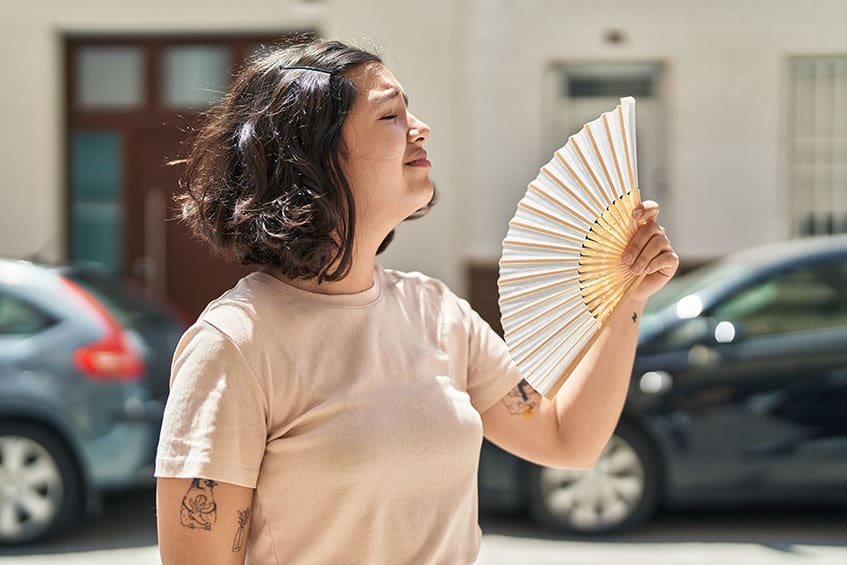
pixel 622 490
pixel 39 484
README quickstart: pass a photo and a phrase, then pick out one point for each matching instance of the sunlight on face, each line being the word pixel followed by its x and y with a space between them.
pixel 382 153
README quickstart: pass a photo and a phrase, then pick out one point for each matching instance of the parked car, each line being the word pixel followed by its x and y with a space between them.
pixel 84 363
pixel 738 396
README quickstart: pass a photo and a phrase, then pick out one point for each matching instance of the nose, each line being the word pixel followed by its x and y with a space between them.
pixel 418 130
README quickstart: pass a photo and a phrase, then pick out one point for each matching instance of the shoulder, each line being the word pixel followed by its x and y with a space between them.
pixel 429 294
pixel 223 343
pixel 414 282
pixel 241 312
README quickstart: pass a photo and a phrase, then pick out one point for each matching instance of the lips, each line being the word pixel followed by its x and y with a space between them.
pixel 418 160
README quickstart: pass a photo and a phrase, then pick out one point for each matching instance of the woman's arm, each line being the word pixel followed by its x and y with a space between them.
pixel 202 521
pixel 572 429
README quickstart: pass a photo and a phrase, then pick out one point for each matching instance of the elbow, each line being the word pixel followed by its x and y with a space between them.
pixel 579 452
pixel 588 460
pixel 581 462
pixel 577 458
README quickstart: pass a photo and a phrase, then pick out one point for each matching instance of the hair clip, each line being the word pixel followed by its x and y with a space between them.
pixel 301 67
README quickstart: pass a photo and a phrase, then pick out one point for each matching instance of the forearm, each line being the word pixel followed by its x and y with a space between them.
pixel 572 429
pixel 589 404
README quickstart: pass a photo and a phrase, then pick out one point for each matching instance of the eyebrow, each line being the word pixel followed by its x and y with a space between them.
pixel 390 95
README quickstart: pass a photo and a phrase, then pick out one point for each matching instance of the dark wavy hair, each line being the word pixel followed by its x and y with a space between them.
pixel 263 179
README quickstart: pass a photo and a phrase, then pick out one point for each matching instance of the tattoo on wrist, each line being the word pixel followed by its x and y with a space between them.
pixel 243 518
pixel 522 400
pixel 635 317
pixel 199 509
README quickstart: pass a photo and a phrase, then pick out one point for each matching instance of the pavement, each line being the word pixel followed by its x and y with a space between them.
pixel 125 534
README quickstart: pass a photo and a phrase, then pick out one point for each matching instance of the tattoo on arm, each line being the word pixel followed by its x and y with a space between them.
pixel 522 400
pixel 634 317
pixel 198 509
pixel 243 518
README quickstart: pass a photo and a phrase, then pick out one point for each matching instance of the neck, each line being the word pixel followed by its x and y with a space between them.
pixel 359 279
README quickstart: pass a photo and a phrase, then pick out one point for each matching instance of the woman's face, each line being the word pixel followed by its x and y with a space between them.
pixel 382 152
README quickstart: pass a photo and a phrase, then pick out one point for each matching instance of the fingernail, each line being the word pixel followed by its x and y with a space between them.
pixel 627 258
pixel 637 214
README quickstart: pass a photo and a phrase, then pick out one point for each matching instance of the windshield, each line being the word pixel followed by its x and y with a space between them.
pixel 690 283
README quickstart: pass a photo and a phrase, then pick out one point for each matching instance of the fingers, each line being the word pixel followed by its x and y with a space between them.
pixel 647 244
pixel 642 236
pixel 666 262
pixel 648 211
pixel 650 250
pixel 655 246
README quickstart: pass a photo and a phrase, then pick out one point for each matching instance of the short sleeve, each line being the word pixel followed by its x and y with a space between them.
pixel 215 423
pixel 491 371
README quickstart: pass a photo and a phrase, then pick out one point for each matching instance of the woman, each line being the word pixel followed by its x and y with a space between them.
pixel 326 410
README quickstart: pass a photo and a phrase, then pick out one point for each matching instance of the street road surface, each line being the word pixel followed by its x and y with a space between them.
pixel 126 535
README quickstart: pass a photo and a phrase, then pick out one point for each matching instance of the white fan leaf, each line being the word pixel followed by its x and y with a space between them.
pixel 561 274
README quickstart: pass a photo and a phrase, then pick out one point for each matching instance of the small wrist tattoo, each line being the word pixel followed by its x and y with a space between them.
pixel 634 317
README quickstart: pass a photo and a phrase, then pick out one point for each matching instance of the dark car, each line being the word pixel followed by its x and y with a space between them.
pixel 84 363
pixel 738 395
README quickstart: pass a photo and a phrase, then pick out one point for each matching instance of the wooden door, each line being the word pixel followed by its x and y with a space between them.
pixel 160 252
pixel 129 103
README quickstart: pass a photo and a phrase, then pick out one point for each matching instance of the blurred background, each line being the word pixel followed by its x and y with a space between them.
pixel 742 137
pixel 741 115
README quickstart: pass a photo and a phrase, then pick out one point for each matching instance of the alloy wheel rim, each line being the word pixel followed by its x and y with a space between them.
pixel 30 488
pixel 596 499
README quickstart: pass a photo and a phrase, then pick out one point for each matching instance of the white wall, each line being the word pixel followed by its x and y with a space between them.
pixel 424 44
pixel 724 92
pixel 420 50
pixel 474 70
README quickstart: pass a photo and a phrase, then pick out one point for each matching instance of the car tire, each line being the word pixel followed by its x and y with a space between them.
pixel 620 492
pixel 40 486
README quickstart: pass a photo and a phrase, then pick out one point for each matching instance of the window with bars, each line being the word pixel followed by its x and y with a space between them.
pixel 818 144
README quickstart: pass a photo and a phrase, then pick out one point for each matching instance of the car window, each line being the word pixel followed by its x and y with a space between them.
pixel 682 336
pixel 690 283
pixel 806 298
pixel 20 318
pixel 130 308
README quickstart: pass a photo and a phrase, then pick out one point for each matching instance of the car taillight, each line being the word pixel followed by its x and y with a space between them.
pixel 112 356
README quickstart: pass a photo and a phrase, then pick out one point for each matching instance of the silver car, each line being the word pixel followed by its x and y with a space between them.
pixel 83 374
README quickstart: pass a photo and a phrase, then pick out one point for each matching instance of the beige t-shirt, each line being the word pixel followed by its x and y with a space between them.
pixel 355 417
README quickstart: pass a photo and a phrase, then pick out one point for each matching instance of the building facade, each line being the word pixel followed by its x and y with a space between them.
pixel 742 116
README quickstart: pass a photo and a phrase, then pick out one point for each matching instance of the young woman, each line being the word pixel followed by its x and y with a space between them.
pixel 327 410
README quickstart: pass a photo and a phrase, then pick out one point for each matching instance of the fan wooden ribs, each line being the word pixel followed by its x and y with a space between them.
pixel 561 273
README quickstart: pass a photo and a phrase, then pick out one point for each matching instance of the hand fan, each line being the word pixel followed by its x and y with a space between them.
pixel 561 274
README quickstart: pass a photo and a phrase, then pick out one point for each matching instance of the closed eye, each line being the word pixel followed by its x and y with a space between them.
pixel 390 117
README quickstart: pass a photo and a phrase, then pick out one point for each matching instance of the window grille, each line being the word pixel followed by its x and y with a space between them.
pixel 818 144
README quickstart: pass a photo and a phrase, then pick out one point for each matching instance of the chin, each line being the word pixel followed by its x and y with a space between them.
pixel 424 198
